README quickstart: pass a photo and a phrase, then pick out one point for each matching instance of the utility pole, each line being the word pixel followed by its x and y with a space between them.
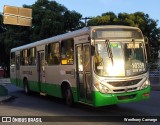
pixel 85 20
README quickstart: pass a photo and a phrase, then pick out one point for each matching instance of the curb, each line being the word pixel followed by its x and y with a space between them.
pixel 5 98
pixel 5 80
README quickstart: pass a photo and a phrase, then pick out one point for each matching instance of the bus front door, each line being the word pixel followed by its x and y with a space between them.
pixel 83 66
pixel 41 71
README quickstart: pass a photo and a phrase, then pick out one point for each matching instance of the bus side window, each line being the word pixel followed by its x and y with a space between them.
pixel 32 56
pixel 24 57
pixel 21 58
pixel 12 59
pixel 52 54
pixel 67 52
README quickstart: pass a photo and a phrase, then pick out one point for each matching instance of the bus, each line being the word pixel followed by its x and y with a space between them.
pixel 96 65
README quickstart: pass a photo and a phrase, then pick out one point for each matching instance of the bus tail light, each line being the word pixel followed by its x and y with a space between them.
pixel 103 89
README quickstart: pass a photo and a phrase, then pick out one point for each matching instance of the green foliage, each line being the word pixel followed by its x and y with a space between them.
pixel 108 18
pixel 49 19
pixel 72 20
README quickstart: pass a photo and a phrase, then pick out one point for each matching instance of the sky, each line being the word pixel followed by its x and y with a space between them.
pixel 93 8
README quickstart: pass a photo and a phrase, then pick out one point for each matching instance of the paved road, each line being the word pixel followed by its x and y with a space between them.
pixel 36 105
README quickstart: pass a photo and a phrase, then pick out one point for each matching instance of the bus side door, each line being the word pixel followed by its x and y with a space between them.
pixel 83 69
pixel 41 71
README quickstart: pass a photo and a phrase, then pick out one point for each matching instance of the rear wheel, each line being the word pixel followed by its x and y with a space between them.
pixel 69 96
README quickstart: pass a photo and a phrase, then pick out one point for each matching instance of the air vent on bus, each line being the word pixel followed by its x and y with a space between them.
pixel 125 83
pixel 125 89
pixel 126 97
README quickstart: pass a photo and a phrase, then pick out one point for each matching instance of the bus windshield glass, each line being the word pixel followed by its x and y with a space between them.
pixel 117 33
pixel 127 59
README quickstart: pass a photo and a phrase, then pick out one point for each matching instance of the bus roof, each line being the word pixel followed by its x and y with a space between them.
pixel 52 39
pixel 68 35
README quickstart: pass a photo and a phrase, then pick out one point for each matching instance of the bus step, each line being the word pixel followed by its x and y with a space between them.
pixel 43 94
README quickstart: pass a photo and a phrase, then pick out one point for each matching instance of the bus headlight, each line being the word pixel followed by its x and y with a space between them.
pixel 103 89
pixel 145 84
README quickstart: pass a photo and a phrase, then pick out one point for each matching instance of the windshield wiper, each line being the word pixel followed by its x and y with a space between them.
pixel 109 51
pixel 133 47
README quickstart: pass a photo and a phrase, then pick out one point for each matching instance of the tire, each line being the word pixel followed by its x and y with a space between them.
pixel 26 88
pixel 69 96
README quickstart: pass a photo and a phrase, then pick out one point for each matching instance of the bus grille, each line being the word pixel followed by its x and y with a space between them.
pixel 126 97
pixel 125 83
pixel 125 90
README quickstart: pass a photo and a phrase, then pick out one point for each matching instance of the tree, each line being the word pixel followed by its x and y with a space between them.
pixel 49 19
pixel 72 20
pixel 108 18
pixel 2 27
pixel 112 16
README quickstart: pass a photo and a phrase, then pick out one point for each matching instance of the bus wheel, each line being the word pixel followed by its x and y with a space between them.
pixel 69 96
pixel 26 88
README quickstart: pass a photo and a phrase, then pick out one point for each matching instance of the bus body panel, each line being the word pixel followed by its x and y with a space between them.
pixel 112 99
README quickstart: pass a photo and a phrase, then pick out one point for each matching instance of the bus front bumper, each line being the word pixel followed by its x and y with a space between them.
pixel 116 98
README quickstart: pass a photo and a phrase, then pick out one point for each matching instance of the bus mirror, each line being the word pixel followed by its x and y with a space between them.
pixel 92 50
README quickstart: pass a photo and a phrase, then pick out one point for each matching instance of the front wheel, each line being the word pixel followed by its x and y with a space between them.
pixel 69 96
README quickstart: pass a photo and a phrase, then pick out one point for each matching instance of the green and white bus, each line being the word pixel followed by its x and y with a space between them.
pixel 97 65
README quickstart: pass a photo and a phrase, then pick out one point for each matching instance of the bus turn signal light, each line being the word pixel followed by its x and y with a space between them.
pixel 146 94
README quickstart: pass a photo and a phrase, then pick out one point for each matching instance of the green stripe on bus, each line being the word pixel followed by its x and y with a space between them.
pixel 49 89
pixel 111 99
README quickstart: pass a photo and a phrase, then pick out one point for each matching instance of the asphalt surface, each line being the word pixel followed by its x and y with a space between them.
pixel 38 105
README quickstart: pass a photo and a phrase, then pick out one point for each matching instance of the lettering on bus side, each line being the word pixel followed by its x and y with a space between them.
pixel 82 39
pixel 27 72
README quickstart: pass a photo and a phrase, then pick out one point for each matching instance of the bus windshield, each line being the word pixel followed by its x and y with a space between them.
pixel 127 59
